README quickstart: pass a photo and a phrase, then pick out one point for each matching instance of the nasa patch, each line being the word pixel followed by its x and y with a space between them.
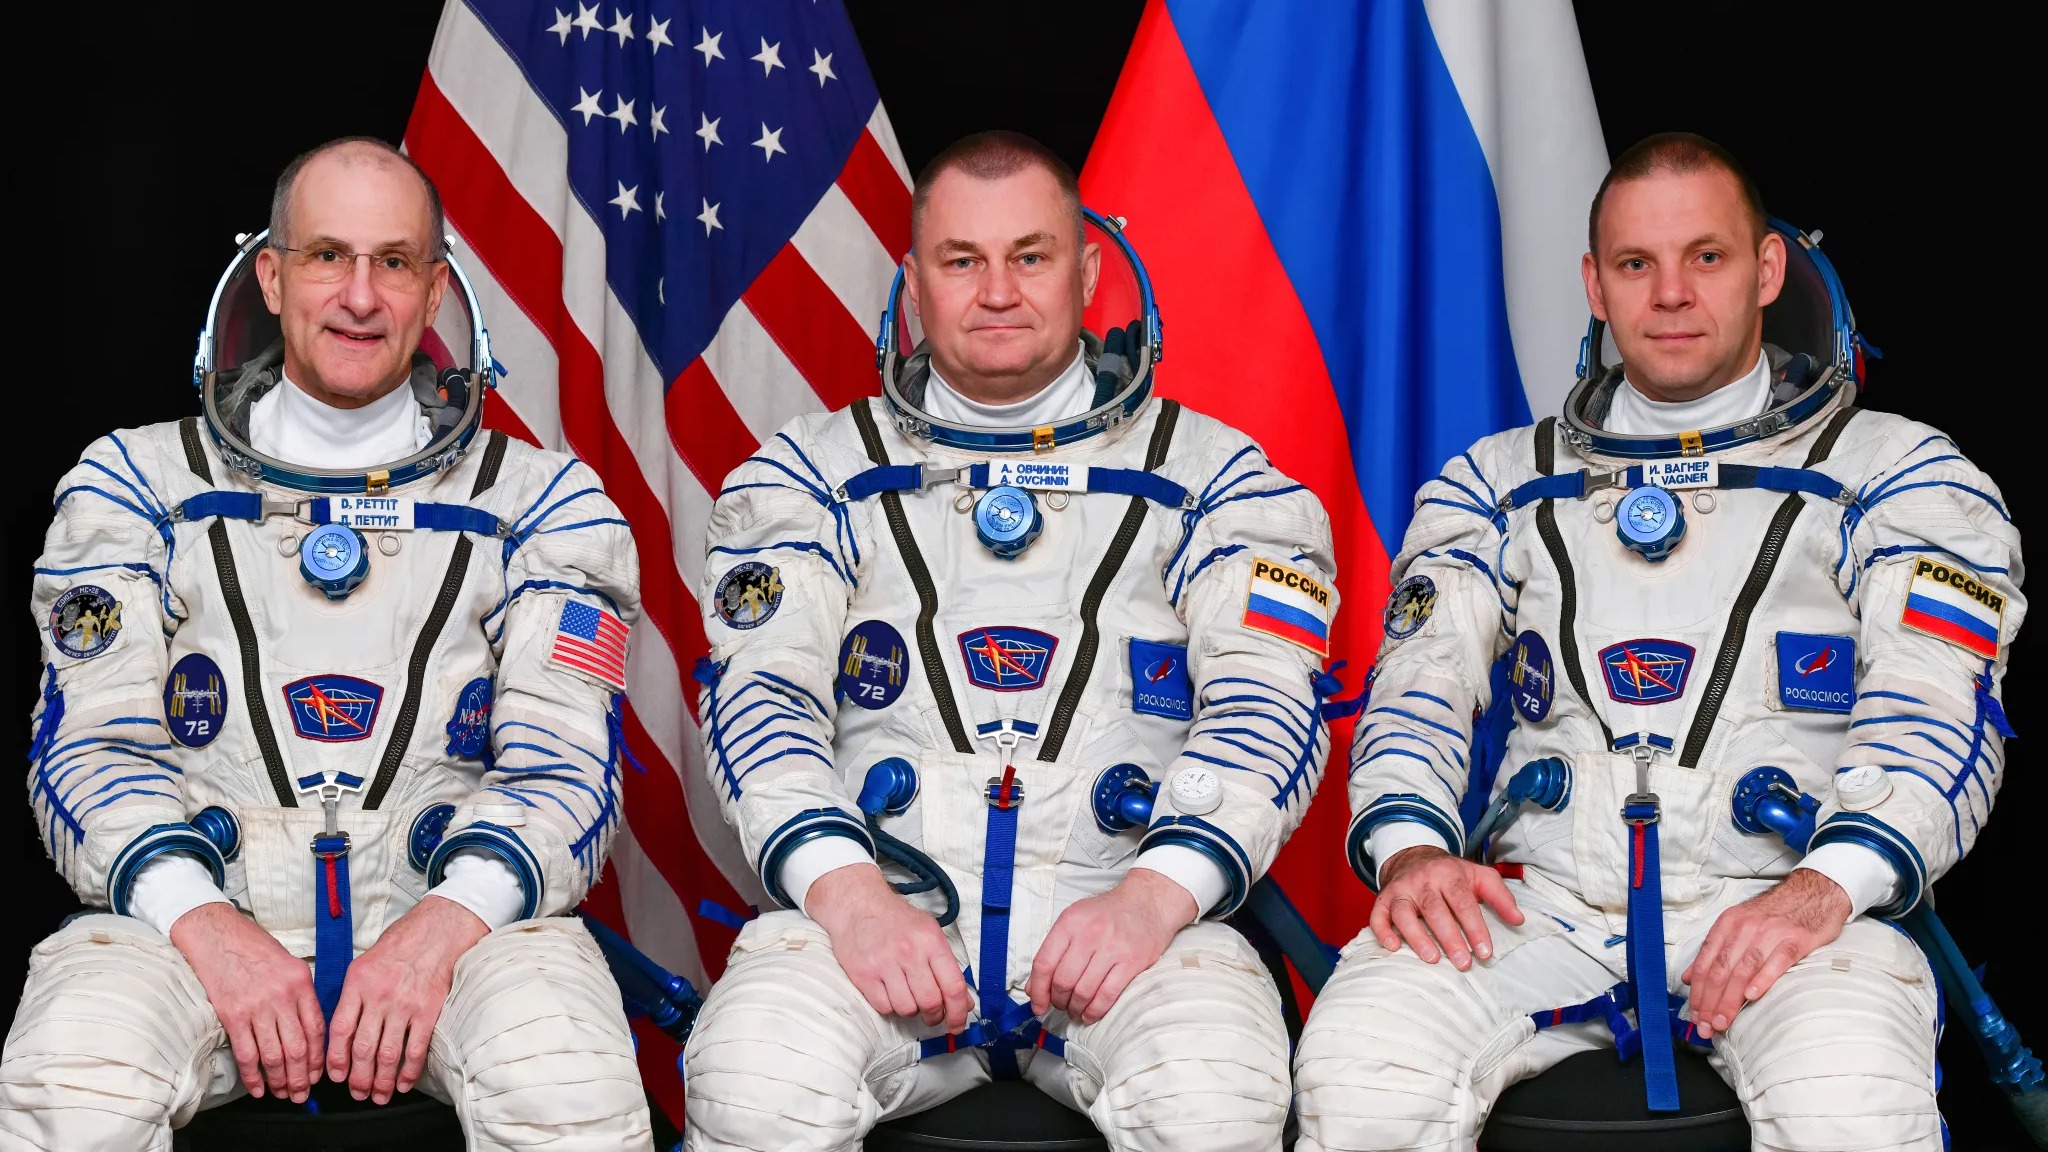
pixel 1004 658
pixel 748 594
pixel 1531 681
pixel 1409 607
pixel 195 700
pixel 85 621
pixel 874 664
pixel 1160 684
pixel 1646 671
pixel 1816 673
pixel 469 729
pixel 332 708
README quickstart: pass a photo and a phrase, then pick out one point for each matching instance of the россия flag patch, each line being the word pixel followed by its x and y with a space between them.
pixel 1948 603
pixel 1291 605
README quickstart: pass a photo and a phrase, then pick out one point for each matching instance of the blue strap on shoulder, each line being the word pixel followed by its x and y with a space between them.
pixel 227 505
pixel 1574 485
pixel 320 510
pixel 334 937
pixel 882 478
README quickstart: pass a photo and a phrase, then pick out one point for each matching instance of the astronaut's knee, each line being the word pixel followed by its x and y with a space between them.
pixel 1386 1055
pixel 536 1037
pixel 111 1024
pixel 780 1050
pixel 1840 1053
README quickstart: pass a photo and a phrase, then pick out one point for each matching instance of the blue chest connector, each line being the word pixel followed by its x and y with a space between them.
pixel 334 559
pixel 1649 521
pixel 1007 520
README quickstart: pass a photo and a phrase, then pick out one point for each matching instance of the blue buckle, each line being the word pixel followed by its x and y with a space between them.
pixel 1642 808
pixel 320 853
pixel 995 790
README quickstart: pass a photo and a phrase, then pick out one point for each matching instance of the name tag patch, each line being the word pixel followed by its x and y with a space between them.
pixel 1816 673
pixel 1682 473
pixel 372 513
pixel 1160 684
pixel 1948 603
pixel 1043 477
pixel 1291 605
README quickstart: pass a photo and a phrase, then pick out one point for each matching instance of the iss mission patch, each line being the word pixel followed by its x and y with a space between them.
pixel 748 594
pixel 1531 678
pixel 874 664
pixel 85 621
pixel 195 700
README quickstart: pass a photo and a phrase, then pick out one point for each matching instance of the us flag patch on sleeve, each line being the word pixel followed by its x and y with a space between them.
pixel 592 642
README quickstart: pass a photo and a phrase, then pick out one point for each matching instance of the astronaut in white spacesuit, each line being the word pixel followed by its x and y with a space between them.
pixel 329 719
pixel 950 627
pixel 1712 575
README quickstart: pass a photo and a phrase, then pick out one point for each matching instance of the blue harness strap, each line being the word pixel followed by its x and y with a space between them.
pixel 1646 952
pixel 320 510
pixel 1611 1008
pixel 914 478
pixel 334 937
pixel 998 869
pixel 227 505
pixel 1574 485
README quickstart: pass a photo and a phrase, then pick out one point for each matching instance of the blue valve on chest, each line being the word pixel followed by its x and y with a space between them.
pixel 1007 520
pixel 1650 521
pixel 334 559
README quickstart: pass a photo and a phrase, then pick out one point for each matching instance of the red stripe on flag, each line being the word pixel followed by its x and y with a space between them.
pixel 1950 631
pixel 1160 159
pixel 658 814
pixel 704 427
pixel 814 330
pixel 1287 630
pixel 652 1049
pixel 525 256
pixel 878 194
pixel 499 415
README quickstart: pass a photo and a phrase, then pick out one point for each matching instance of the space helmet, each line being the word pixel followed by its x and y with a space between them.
pixel 241 357
pixel 1121 343
pixel 1810 339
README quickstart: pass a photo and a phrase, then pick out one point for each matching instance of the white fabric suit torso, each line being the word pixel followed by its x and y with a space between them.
pixel 1831 1048
pixel 787 757
pixel 532 774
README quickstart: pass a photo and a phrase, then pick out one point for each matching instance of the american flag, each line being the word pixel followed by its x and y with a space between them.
pixel 591 640
pixel 681 218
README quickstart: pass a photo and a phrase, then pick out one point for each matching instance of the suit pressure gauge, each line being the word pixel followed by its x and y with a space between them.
pixel 1196 790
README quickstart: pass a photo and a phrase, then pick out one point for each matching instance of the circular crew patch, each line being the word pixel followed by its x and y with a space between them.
pixel 469 729
pixel 874 665
pixel 1532 681
pixel 195 700
pixel 85 621
pixel 748 594
pixel 1409 607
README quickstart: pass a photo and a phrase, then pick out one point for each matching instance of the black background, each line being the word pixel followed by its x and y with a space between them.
pixel 146 136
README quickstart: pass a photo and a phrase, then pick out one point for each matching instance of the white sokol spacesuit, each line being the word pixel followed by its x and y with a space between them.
pixel 1833 618
pixel 320 689
pixel 870 640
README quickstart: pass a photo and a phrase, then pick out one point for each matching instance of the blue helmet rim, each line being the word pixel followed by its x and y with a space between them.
pixel 442 453
pixel 889 359
pixel 1843 367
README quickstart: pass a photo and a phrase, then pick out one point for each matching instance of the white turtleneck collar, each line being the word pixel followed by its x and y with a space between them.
pixel 1069 394
pixel 287 423
pixel 1634 414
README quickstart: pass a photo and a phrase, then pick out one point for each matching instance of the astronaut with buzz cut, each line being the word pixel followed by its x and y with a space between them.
pixel 1713 580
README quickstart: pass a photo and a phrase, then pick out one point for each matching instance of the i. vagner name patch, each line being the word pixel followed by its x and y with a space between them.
pixel 1289 604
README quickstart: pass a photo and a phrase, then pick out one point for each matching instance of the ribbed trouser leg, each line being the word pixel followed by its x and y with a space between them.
pixel 532 1047
pixel 113 1044
pixel 787 1055
pixel 1839 1054
pixel 1192 1057
pixel 1399 1054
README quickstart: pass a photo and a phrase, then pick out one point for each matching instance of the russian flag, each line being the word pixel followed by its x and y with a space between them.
pixel 1363 222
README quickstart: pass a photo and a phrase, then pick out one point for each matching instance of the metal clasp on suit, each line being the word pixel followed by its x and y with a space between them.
pixel 1647 800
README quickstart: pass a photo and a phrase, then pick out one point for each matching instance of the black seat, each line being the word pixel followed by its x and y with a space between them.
pixel 334 1122
pixel 1013 1116
pixel 1592 1102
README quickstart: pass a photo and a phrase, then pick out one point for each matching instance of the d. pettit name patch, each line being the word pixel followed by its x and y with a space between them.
pixel 1291 605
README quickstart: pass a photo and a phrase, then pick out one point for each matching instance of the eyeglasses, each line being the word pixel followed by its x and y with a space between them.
pixel 330 264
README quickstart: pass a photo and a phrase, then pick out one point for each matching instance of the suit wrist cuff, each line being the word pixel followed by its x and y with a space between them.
pixel 1190 869
pixel 810 860
pixel 1864 874
pixel 1397 836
